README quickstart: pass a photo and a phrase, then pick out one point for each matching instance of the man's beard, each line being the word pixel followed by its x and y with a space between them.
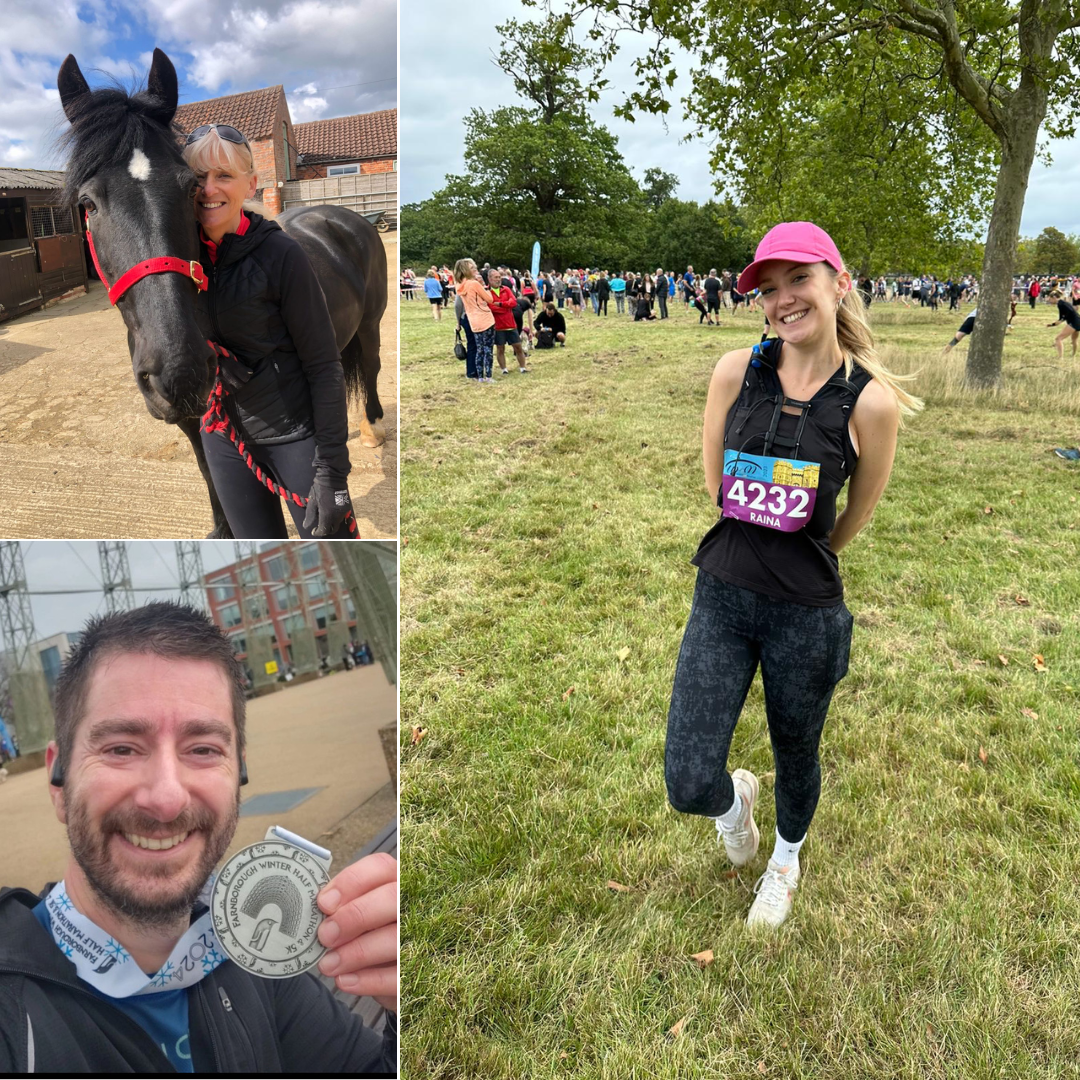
pixel 90 846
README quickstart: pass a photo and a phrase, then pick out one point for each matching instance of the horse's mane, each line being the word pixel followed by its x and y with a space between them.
pixel 108 125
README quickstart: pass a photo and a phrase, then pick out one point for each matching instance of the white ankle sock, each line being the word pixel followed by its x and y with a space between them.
pixel 786 853
pixel 730 819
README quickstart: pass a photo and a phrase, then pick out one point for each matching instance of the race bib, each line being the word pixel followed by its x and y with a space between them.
pixel 775 492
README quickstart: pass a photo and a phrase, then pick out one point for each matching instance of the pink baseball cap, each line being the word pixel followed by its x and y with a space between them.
pixel 795 241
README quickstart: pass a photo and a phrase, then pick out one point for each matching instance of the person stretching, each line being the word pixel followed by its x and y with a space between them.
pixel 965 328
pixel 1066 314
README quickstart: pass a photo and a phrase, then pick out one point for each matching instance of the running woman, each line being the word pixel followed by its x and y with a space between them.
pixel 1068 315
pixel 786 425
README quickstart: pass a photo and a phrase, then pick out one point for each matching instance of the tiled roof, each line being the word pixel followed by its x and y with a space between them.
pixel 252 112
pixel 352 138
pixel 30 178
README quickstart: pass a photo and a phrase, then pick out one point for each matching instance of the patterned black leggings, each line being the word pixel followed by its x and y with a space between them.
pixel 803 652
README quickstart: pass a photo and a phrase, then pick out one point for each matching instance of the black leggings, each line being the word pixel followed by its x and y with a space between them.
pixel 803 652
pixel 253 512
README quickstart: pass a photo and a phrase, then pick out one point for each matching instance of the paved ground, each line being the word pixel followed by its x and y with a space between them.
pixel 319 734
pixel 81 457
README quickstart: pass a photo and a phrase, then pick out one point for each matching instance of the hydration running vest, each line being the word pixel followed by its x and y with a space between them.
pixel 781 477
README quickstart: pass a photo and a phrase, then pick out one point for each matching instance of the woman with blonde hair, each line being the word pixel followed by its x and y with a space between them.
pixel 787 423
pixel 286 385
pixel 477 319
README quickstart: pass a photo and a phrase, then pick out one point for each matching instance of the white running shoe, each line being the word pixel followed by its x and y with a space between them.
pixel 775 891
pixel 741 841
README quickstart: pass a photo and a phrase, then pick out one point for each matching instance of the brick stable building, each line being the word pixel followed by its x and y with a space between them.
pixel 348 145
pixel 344 145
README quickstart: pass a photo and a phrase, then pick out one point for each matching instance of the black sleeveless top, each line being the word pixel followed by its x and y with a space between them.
pixel 795 566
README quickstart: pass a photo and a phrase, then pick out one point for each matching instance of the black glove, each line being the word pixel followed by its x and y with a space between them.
pixel 328 503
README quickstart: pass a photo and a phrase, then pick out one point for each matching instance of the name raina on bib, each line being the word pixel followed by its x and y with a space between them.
pixel 777 493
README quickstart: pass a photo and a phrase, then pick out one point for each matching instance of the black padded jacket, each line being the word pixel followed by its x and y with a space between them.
pixel 265 305
pixel 51 1023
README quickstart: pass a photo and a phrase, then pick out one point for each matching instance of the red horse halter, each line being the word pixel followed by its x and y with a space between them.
pixel 160 265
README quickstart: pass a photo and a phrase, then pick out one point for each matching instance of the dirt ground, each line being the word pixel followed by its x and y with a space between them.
pixel 322 734
pixel 80 457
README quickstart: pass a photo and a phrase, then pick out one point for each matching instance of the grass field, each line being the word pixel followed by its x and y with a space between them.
pixel 548 522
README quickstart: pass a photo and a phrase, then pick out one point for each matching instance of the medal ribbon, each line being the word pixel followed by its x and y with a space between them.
pixel 106 965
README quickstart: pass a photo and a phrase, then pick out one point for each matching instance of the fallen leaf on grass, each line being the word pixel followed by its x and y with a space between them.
pixel 1038 661
pixel 988 509
pixel 404 541
pixel 730 875
pixel 983 662
pixel 761 1067
pixel 563 1056
pixel 983 755
pixel 675 1030
pixel 624 652
pixel 704 959
pixel 418 733
pixel 567 693
pixel 614 886
pixel 1031 714
pixel 1023 601
pixel 1004 660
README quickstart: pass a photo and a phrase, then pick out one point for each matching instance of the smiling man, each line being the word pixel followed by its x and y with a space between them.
pixel 117 968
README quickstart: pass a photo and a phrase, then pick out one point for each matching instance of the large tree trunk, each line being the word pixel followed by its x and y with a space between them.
pixel 1025 117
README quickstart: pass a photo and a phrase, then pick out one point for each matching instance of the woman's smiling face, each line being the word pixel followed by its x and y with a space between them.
pixel 800 298
pixel 220 199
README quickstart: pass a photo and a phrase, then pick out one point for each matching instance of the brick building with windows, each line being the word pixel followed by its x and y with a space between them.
pixel 284 569
pixel 348 145
pixel 263 117
pixel 342 146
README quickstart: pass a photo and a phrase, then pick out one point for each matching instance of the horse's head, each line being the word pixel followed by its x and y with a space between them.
pixel 127 173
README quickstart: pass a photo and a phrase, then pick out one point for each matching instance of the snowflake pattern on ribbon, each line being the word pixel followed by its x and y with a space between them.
pixel 114 948
pixel 67 951
pixel 163 975
pixel 211 960
pixel 64 902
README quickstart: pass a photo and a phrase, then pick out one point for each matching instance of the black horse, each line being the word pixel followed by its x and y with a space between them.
pixel 126 171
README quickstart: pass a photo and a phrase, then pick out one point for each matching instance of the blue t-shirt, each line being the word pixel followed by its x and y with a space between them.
pixel 618 285
pixel 433 287
pixel 163 1016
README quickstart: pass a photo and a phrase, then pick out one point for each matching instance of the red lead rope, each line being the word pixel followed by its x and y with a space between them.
pixel 217 419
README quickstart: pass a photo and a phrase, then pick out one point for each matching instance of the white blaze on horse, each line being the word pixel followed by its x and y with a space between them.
pixel 126 170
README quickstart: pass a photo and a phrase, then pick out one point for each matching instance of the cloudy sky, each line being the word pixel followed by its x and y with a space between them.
pixel 54 565
pixel 447 69
pixel 334 58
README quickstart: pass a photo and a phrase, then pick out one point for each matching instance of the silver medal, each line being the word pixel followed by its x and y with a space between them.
pixel 264 905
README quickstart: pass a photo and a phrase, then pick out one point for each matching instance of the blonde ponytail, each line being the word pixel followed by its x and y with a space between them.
pixel 857 344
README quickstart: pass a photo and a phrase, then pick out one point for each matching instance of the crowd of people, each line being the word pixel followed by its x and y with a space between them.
pixel 500 306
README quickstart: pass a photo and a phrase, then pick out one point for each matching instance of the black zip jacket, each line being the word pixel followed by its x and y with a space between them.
pixel 51 1023
pixel 265 305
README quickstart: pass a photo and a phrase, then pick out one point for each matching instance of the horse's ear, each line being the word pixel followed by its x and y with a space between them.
pixel 72 86
pixel 162 85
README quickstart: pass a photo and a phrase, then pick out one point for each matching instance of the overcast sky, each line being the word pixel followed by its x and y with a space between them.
pixel 447 69
pixel 333 58
pixel 62 564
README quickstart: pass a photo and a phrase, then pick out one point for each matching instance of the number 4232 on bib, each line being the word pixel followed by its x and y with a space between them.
pixel 778 493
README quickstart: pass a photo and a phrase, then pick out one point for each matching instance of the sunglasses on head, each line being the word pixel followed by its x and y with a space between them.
pixel 229 134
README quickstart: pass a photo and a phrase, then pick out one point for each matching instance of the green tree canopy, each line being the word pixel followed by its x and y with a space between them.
pixel 1054 253
pixel 998 63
